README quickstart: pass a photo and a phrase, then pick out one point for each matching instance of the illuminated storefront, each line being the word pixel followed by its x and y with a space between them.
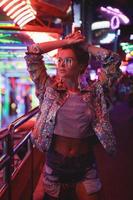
pixel 17 92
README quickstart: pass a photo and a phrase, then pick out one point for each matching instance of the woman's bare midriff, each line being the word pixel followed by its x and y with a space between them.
pixel 71 146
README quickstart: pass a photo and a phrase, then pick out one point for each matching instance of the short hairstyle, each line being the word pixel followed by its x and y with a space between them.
pixel 82 56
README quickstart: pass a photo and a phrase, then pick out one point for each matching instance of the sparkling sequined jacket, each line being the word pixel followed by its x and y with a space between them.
pixel 52 95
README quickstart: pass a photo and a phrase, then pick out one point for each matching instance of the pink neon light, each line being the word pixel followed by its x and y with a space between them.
pixel 15 8
pixel 10 5
pixel 115 12
pixel 26 21
pixel 22 15
pixel 115 22
pixel 3 2
pixel 24 18
pixel 21 11
pixel 16 13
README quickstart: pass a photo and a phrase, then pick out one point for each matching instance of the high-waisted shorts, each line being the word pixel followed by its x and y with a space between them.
pixel 60 170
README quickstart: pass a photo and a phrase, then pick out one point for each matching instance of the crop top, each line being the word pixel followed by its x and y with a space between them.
pixel 73 118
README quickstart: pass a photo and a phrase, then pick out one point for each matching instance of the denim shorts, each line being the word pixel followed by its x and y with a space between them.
pixel 70 170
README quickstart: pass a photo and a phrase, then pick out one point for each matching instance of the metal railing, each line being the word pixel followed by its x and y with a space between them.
pixel 9 150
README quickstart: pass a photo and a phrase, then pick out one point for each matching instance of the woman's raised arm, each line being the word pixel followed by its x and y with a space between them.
pixel 45 47
pixel 35 63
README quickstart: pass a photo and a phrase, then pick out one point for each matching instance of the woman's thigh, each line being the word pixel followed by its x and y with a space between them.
pixel 82 194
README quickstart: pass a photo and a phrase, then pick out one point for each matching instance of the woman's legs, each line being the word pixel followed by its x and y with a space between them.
pixel 81 193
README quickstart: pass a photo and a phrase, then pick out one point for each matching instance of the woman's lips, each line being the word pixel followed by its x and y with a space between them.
pixel 62 71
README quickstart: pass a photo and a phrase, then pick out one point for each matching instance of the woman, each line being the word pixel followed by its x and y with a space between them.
pixel 71 113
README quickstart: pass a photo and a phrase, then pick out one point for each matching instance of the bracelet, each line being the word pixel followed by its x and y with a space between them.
pixel 34 49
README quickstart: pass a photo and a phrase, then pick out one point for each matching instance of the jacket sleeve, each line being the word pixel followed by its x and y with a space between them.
pixel 110 67
pixel 109 76
pixel 37 71
pixel 101 123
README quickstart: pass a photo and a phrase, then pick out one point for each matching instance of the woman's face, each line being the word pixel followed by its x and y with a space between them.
pixel 67 64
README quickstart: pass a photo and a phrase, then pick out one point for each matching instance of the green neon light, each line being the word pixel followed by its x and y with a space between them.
pixel 13 54
pixel 127 47
pixel 10 56
pixel 7 25
pixel 7 38
pixel 8 31
pixel 5 35
pixel 8 41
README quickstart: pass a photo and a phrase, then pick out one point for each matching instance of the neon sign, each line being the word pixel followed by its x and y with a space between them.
pixel 21 12
pixel 126 47
pixel 117 16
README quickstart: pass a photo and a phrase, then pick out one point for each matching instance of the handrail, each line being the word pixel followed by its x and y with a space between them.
pixel 15 150
pixel 4 159
pixel 34 109
pixel 7 159
pixel 25 118
pixel 3 130
pixel 21 143
pixel 19 121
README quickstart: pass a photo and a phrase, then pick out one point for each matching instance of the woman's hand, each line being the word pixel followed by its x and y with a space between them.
pixel 77 37
pixel 74 38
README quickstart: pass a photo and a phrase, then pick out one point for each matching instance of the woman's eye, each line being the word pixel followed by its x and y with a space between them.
pixel 69 60
pixel 66 60
pixel 59 60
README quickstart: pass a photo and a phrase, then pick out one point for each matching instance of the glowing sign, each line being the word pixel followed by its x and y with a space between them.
pixel 39 37
pixel 130 68
pixel 20 11
pixel 115 22
pixel 10 24
pixel 108 39
pixel 126 47
pixel 6 38
pixel 117 16
pixel 100 25
pixel 131 37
